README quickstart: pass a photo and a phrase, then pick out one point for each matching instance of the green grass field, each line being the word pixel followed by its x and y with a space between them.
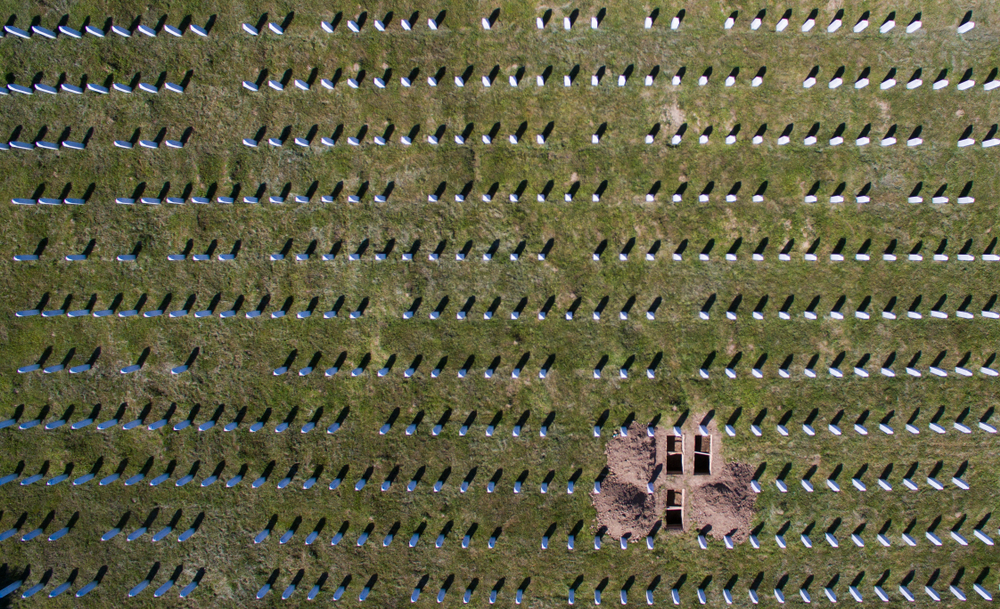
pixel 236 358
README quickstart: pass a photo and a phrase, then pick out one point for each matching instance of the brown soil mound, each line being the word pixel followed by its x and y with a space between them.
pixel 722 500
pixel 632 458
pixel 626 509
pixel 624 506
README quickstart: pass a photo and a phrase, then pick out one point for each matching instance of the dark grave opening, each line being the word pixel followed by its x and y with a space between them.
pixel 702 455
pixel 675 454
pixel 675 509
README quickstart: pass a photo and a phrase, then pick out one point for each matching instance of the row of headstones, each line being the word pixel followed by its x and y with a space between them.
pixel 732 311
pixel 390 535
pixel 130 257
pixel 965 140
pixel 623 595
pixel 937 311
pixel 780 481
pixel 98 579
pixel 489 372
pixel 150 144
pixel 812 195
pixel 88 249
pixel 161 309
pixel 966 24
pixel 71 145
pixel 358 23
pixel 859 428
pixel 66 143
pixel 889 81
pixel 65 87
pixel 411 370
pixel 195 200
pixel 65 363
pixel 704 313
pixel 779 594
pixel 148 523
pixel 488 80
pixel 543 313
pixel 474 584
pixel 309 252
pixel 889 139
pixel 411 429
pixel 809 371
pixel 811 254
pixel 833 542
pixel 109 28
pixel 39 531
pixel 408 255
pixel 406 140
pixel 42 145
pixel 860 486
pixel 414 539
pixel 491 427
pixel 41 138
pixel 784 369
pixel 732 255
pixel 883 531
pixel 283 482
pixel 488 23
pixel 318 587
pixel 263 421
pixel 353 25
pixel 160 535
pixel 189 422
pixel 184 253
pixel 277 199
pixel 284 196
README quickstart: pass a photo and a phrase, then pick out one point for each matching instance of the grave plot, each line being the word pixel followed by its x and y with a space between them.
pixel 647 486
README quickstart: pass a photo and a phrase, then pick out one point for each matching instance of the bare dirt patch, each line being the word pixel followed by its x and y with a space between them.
pixel 672 115
pixel 721 501
pixel 632 458
pixel 626 509
pixel 624 506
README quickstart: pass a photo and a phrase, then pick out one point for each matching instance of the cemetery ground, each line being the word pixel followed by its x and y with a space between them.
pixel 237 356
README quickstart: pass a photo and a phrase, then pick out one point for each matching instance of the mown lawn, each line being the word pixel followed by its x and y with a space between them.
pixel 237 356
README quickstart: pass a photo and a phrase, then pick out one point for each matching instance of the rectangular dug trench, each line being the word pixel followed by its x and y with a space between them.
pixel 675 454
pixel 702 455
pixel 674 518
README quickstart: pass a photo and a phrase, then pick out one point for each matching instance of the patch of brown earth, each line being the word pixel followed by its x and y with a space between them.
pixel 632 458
pixel 624 506
pixel 626 509
pixel 722 500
